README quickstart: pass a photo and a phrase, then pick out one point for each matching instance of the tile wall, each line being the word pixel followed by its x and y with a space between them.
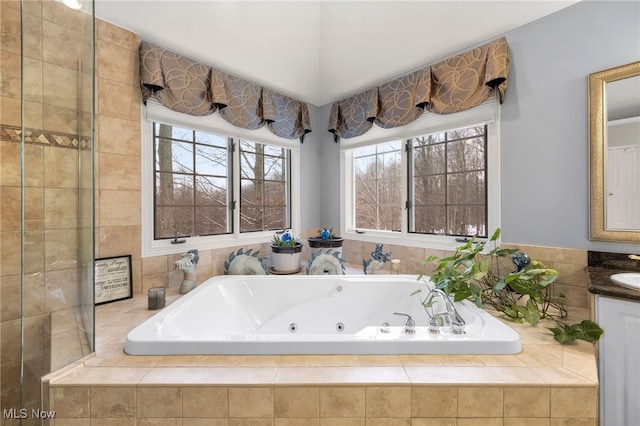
pixel 393 405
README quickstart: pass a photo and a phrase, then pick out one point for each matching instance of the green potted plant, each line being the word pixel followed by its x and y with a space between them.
pixel 521 296
pixel 286 251
pixel 325 239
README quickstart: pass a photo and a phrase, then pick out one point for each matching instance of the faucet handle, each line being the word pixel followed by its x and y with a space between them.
pixel 409 325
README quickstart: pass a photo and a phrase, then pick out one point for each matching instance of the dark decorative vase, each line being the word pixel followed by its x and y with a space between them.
pixel 318 243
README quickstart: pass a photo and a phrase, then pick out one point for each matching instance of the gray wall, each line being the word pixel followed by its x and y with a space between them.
pixel 310 188
pixel 545 174
pixel 544 132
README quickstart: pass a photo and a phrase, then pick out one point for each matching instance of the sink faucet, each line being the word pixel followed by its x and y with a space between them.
pixel 449 316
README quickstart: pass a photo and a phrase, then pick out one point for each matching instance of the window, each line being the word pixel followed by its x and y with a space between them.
pixel 378 186
pixel 192 182
pixel 448 186
pixel 211 185
pixel 264 191
pixel 427 184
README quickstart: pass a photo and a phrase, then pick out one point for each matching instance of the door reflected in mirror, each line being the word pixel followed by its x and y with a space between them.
pixel 614 153
pixel 622 159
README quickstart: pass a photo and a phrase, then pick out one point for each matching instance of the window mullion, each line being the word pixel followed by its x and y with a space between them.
pixel 407 194
pixel 194 173
pixel 446 183
pixel 235 184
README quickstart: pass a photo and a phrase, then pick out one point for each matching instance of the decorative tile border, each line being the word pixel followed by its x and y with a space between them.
pixel 42 137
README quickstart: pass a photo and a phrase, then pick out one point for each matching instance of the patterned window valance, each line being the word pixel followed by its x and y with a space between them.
pixel 189 87
pixel 454 84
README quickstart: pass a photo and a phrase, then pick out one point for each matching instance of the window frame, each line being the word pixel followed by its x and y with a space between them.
pixel 154 112
pixel 446 143
pixel 194 143
pixel 404 237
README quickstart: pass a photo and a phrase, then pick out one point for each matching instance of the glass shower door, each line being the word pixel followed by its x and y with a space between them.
pixel 46 179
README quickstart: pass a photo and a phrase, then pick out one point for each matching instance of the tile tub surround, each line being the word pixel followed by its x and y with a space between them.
pixel 545 384
pixel 158 271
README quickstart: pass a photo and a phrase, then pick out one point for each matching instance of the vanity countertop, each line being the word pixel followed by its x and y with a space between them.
pixel 600 283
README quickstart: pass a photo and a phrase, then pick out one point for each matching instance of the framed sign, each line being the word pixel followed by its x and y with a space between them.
pixel 113 279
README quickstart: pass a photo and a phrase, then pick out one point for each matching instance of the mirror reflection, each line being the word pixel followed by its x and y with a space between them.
pixel 622 139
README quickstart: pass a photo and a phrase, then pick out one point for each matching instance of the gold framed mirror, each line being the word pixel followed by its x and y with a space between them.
pixel 614 100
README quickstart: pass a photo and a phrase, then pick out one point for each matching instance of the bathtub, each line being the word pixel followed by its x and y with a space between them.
pixel 315 314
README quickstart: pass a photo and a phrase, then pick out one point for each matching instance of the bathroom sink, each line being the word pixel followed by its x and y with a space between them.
pixel 628 279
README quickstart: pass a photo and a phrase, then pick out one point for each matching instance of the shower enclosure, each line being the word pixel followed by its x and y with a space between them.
pixel 47 196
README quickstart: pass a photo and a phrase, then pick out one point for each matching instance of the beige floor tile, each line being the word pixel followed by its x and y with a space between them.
pixel 341 375
pixel 103 376
pixel 436 421
pixel 163 402
pixel 379 360
pixel 388 401
pixel 436 401
pixel 113 402
pixel 574 402
pixel 342 402
pixel 297 402
pixel 420 360
pixel 451 375
pixel 527 402
pixel 254 402
pixel 481 401
pixel 199 401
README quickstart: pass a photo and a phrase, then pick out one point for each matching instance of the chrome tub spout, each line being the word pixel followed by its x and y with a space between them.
pixel 449 316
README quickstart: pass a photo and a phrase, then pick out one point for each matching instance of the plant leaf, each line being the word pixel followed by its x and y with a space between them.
pixel 587 330
pixel 499 285
pixel 502 252
pixel 532 315
pixel 562 336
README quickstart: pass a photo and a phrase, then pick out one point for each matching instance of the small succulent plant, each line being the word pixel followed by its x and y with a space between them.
pixel 284 239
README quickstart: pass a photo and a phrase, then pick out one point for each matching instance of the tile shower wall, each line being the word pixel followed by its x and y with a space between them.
pixel 54 85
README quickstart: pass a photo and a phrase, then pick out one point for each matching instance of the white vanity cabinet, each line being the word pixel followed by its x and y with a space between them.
pixel 619 361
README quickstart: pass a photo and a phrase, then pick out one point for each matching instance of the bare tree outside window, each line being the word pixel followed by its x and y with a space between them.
pixel 263 187
pixel 191 182
pixel 449 188
pixel 378 186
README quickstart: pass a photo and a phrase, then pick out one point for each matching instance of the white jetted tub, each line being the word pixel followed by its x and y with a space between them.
pixel 314 314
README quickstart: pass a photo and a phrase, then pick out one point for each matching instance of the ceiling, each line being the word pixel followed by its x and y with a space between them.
pixel 321 51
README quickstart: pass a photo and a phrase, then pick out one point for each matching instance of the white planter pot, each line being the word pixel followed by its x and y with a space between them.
pixel 286 259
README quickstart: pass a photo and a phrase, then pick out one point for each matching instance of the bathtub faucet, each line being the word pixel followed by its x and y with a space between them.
pixel 409 325
pixel 449 316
